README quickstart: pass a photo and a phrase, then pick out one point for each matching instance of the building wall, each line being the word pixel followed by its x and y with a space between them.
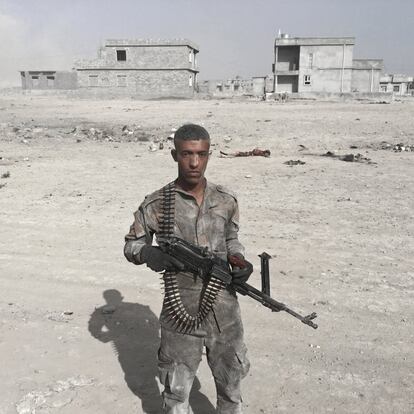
pixel 397 84
pixel 46 80
pixel 366 74
pixel 140 83
pixel 366 80
pixel 143 57
pixel 329 68
pixel 398 88
pixel 226 88
pixel 332 81
pixel 326 56
pixel 259 86
pixel 147 69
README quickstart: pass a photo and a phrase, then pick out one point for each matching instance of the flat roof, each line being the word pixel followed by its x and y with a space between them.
pixel 396 78
pixel 376 64
pixel 46 71
pixel 313 41
pixel 149 42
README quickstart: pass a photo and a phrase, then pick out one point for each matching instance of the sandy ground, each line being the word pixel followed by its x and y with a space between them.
pixel 340 233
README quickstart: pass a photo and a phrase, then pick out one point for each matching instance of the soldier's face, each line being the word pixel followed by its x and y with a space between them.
pixel 192 158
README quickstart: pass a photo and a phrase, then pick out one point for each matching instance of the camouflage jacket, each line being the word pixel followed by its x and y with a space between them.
pixel 214 224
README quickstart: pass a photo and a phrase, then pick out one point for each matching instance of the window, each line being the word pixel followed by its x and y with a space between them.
pixel 307 80
pixel 236 87
pixel 50 81
pixel 105 81
pixel 396 88
pixel 93 80
pixel 35 80
pixel 121 55
pixel 190 80
pixel 190 56
pixel 384 88
pixel 219 87
pixel 310 60
pixel 122 80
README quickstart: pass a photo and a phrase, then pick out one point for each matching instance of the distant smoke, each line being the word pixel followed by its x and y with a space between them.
pixel 11 47
pixel 21 50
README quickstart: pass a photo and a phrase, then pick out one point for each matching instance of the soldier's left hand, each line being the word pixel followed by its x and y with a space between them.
pixel 241 268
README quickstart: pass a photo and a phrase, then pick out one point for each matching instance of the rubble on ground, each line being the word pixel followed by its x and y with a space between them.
pixel 387 146
pixel 55 396
pixel 294 162
pixel 256 152
pixel 4 176
pixel 400 147
pixel 27 133
pixel 349 157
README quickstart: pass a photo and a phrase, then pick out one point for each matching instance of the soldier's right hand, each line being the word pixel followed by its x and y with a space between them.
pixel 159 261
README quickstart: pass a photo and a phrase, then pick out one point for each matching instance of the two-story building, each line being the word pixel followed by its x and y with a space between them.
pixel 312 64
pixel 322 65
pixel 145 68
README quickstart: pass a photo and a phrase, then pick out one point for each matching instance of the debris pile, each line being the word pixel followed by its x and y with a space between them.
pixel 387 146
pixel 401 147
pixel 56 316
pixel 4 176
pixel 93 134
pixel 22 132
pixel 127 133
pixel 55 396
pixel 256 152
pixel 294 162
pixel 349 157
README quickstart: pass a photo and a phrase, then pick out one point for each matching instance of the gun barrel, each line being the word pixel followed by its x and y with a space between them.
pixel 274 305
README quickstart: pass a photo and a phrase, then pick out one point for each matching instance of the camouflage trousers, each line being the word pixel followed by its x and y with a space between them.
pixel 180 354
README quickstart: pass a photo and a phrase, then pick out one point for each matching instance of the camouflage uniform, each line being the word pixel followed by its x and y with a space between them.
pixel 215 225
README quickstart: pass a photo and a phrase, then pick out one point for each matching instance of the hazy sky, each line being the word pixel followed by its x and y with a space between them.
pixel 235 36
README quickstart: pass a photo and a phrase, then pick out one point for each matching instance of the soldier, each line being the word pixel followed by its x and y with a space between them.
pixel 204 214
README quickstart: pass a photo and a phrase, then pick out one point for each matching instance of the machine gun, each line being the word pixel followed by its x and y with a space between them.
pixel 199 261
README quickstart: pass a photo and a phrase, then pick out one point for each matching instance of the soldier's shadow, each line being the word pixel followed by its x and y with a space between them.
pixel 133 331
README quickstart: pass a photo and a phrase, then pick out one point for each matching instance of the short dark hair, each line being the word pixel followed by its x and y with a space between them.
pixel 191 132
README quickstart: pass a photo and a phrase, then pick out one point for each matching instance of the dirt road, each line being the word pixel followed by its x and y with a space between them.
pixel 340 233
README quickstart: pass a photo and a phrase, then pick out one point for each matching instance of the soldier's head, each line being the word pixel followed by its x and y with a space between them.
pixel 113 296
pixel 191 152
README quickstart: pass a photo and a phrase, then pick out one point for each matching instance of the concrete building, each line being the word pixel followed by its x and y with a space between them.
pixel 398 84
pixel 141 68
pixel 256 86
pixel 312 64
pixel 48 79
pixel 366 74
pixel 322 65
pixel 226 88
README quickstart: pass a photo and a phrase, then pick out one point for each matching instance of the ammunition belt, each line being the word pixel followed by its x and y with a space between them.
pixel 177 314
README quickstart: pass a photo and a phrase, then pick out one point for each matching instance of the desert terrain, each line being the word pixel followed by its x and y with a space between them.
pixel 340 235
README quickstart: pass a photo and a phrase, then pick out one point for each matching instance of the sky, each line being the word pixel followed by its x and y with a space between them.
pixel 235 37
